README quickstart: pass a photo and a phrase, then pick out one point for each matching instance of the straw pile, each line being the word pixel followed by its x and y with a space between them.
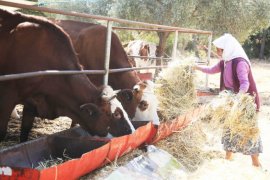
pixel 192 145
pixel 176 93
pixel 235 113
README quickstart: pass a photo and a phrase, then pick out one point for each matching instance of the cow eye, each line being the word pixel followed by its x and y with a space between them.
pixel 90 109
pixel 136 88
pixel 92 113
pixel 117 115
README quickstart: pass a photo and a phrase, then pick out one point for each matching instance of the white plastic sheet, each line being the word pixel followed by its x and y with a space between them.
pixel 156 164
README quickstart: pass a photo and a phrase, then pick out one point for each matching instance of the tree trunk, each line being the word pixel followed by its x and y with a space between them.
pixel 261 55
pixel 194 45
pixel 163 36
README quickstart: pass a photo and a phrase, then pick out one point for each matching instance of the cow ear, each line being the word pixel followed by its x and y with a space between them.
pixel 126 94
pixel 90 108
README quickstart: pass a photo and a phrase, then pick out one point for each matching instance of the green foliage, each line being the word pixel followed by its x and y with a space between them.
pixel 67 5
pixel 165 12
pixel 126 36
pixel 32 12
pixel 240 18
pixel 81 6
pixel 253 44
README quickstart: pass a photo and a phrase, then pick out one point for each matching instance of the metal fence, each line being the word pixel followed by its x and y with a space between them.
pixel 110 21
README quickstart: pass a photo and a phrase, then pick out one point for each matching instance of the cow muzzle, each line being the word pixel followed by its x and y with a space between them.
pixel 143 105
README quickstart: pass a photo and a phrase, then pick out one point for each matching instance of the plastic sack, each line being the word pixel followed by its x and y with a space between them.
pixel 156 164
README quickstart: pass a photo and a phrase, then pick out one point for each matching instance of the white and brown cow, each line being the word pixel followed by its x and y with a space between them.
pixel 144 49
pixel 148 102
pixel 89 41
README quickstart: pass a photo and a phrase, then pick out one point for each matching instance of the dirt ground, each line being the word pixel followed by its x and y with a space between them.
pixel 41 127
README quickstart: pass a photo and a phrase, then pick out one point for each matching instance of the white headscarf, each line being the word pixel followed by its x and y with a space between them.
pixel 231 48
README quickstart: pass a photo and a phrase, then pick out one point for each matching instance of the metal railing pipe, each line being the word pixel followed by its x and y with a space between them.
pixel 107 53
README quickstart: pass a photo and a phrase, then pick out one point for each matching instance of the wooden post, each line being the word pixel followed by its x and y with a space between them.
pixel 175 45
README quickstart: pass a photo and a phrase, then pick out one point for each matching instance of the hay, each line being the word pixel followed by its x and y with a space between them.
pixel 192 145
pixel 52 161
pixel 176 92
pixel 235 113
pixel 41 127
pixel 6 144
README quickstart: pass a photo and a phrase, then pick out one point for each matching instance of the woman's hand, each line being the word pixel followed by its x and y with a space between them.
pixel 195 67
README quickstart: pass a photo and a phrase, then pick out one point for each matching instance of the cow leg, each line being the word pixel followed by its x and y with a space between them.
pixel 7 103
pixel 29 113
pixel 4 117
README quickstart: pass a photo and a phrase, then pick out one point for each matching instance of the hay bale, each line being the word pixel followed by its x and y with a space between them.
pixel 176 91
pixel 236 113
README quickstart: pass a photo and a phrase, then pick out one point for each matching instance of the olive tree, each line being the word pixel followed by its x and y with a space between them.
pixel 164 12
pixel 240 18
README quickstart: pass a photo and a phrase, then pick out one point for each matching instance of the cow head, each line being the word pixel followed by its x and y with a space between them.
pixel 144 51
pixel 126 97
pixel 147 106
pixel 139 98
pixel 142 90
pixel 116 122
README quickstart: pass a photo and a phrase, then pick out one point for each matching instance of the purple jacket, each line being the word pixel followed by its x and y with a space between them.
pixel 237 76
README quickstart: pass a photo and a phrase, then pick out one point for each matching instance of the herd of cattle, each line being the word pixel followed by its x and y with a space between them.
pixel 29 44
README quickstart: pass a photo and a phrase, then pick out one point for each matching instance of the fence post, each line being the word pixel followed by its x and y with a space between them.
pixel 107 52
pixel 208 57
pixel 175 45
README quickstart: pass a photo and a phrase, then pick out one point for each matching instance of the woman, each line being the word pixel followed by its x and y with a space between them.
pixel 236 75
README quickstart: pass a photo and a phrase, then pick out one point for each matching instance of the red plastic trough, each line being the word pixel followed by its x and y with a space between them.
pixel 96 158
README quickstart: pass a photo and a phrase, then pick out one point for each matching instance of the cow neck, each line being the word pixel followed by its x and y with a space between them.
pixel 126 80
pixel 88 91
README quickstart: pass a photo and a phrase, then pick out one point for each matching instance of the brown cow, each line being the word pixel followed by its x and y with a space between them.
pixel 144 51
pixel 89 42
pixel 33 44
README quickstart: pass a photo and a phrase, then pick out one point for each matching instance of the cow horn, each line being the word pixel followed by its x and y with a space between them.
pixel 104 97
pixel 117 91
